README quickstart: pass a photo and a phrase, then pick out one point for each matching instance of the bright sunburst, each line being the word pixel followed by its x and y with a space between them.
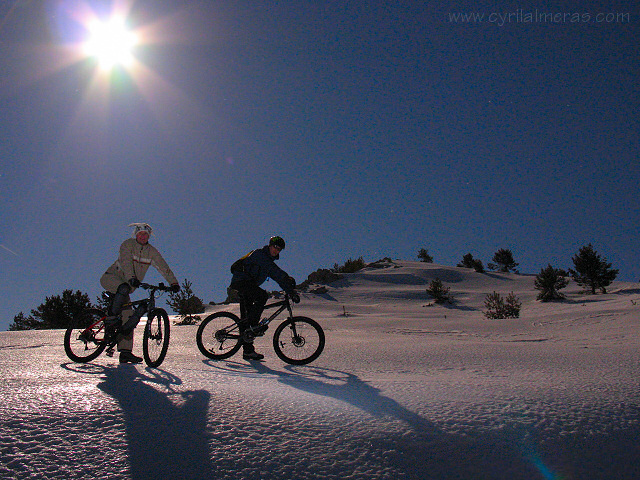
pixel 111 43
pixel 106 51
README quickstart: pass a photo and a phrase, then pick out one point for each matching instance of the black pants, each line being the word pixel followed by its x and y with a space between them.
pixel 119 298
pixel 252 302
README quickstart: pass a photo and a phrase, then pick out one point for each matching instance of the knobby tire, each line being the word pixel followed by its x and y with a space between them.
pixel 218 335
pixel 298 340
pixel 155 341
pixel 84 340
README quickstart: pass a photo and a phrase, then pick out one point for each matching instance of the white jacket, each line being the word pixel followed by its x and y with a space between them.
pixel 135 259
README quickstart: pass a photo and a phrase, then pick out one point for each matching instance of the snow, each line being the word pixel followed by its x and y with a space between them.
pixel 403 390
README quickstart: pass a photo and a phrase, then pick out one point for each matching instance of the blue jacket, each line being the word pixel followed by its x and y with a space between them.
pixel 259 265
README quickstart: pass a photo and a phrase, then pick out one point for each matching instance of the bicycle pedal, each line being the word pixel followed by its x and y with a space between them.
pixel 110 352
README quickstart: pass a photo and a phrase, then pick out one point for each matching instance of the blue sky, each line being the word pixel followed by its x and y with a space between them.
pixel 352 129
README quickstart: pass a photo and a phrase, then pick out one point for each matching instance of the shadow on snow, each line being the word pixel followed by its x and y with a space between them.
pixel 427 451
pixel 165 438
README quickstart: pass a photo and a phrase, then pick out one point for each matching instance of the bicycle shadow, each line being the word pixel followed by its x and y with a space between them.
pixel 337 384
pixel 166 437
pixel 427 451
pixel 349 388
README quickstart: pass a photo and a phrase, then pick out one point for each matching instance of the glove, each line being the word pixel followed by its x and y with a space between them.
pixel 175 288
pixel 295 298
pixel 134 282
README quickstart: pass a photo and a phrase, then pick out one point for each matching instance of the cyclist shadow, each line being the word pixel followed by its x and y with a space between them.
pixel 166 437
pixel 349 388
pixel 471 454
pixel 343 386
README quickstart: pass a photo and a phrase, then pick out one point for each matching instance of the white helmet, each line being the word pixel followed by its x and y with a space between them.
pixel 141 227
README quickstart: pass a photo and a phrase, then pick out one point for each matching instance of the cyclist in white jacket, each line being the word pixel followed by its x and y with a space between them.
pixel 126 274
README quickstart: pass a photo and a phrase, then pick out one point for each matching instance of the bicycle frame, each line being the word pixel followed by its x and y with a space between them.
pixel 91 327
pixel 150 301
pixel 150 305
pixel 283 304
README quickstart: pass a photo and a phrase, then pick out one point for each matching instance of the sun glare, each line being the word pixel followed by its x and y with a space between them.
pixel 110 43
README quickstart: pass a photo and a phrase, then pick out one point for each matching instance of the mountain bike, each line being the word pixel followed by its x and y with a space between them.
pixel 297 340
pixel 93 331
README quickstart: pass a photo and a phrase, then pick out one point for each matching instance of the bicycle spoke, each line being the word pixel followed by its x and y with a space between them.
pixel 84 340
pixel 218 335
pixel 299 340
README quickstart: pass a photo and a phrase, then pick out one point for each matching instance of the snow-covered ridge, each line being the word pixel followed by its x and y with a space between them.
pixel 402 285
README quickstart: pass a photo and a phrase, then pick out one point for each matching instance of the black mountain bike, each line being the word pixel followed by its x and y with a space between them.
pixel 92 331
pixel 297 340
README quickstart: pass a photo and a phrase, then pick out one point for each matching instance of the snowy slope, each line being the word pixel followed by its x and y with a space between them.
pixel 403 390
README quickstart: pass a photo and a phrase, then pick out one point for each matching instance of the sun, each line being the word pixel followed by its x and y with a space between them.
pixel 111 43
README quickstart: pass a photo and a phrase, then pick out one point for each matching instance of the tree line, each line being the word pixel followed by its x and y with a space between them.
pixel 590 270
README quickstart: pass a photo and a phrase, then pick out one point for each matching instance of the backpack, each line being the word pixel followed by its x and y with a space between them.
pixel 238 265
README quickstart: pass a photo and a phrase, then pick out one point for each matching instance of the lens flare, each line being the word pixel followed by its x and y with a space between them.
pixel 111 43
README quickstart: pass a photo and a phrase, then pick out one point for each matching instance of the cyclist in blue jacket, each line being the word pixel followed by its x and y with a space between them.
pixel 249 273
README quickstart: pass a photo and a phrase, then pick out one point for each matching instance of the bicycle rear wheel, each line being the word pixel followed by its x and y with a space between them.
pixel 84 340
pixel 218 335
pixel 298 340
pixel 155 341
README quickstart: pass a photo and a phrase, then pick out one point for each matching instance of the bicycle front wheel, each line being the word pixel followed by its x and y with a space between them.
pixel 298 340
pixel 219 336
pixel 155 341
pixel 84 340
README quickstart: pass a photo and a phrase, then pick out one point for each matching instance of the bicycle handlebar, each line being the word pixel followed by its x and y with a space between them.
pixel 160 286
pixel 288 296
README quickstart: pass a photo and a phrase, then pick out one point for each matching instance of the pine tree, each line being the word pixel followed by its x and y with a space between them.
pixel 186 304
pixel 499 307
pixel 23 322
pixel 57 311
pixel 439 292
pixel 469 262
pixel 350 266
pixel 504 262
pixel 592 271
pixel 550 281
pixel 424 256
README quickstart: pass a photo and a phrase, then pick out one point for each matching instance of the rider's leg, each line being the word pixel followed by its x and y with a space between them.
pixel 247 341
pixel 114 284
pixel 119 289
pixel 125 340
pixel 130 319
pixel 256 299
pixel 133 318
pixel 252 299
pixel 120 298
pixel 252 302
pixel 248 347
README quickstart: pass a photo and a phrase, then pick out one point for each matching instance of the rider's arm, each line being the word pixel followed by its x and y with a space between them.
pixel 126 259
pixel 161 265
pixel 282 278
